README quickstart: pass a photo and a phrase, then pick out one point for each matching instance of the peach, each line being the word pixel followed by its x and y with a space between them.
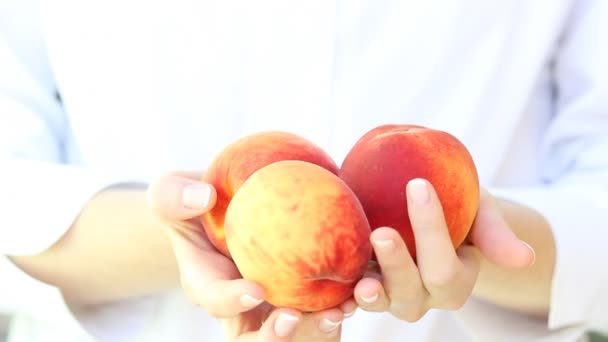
pixel 386 158
pixel 299 231
pixel 241 159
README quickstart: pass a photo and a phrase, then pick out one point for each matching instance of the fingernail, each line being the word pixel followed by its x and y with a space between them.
pixel 384 245
pixel 418 191
pixel 250 301
pixel 349 314
pixel 371 299
pixel 533 253
pixel 196 196
pixel 328 326
pixel 285 324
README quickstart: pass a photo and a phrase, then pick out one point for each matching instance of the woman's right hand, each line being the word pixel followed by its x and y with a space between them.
pixel 212 281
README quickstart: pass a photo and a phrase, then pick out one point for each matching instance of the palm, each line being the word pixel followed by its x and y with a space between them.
pixel 203 264
pixel 198 258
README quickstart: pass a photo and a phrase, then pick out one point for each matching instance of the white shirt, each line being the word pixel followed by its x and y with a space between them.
pixel 152 86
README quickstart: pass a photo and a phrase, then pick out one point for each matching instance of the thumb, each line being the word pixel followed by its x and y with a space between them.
pixel 180 196
pixel 280 326
pixel 495 239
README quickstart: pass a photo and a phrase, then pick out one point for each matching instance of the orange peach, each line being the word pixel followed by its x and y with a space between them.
pixel 299 231
pixel 241 159
pixel 386 158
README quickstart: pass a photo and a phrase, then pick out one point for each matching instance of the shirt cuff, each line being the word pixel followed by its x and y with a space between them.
pixel 578 219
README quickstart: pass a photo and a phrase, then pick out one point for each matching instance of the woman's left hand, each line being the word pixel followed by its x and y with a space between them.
pixel 442 277
pixel 212 280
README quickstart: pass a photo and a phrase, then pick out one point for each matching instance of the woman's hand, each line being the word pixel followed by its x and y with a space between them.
pixel 442 278
pixel 213 282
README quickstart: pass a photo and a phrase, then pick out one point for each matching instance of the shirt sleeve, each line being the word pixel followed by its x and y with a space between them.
pixel 41 194
pixel 573 194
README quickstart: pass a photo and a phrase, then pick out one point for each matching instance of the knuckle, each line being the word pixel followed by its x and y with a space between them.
pixel 412 314
pixel 445 278
pixel 440 280
pixel 410 311
pixel 453 304
pixel 406 296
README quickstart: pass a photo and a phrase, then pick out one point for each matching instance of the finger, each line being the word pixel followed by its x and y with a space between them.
pixel 463 286
pixel 436 257
pixel 349 307
pixel 224 298
pixel 279 327
pixel 320 326
pixel 212 281
pixel 177 197
pixel 496 241
pixel 370 295
pixel 402 281
pixel 471 259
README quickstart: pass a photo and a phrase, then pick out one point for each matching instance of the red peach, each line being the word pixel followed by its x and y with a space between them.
pixel 386 158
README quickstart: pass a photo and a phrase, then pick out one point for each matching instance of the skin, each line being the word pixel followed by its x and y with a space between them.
pixel 205 270
pixel 492 263
pixel 381 162
pixel 96 262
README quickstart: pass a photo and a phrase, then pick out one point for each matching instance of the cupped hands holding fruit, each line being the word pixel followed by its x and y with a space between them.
pixel 294 231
